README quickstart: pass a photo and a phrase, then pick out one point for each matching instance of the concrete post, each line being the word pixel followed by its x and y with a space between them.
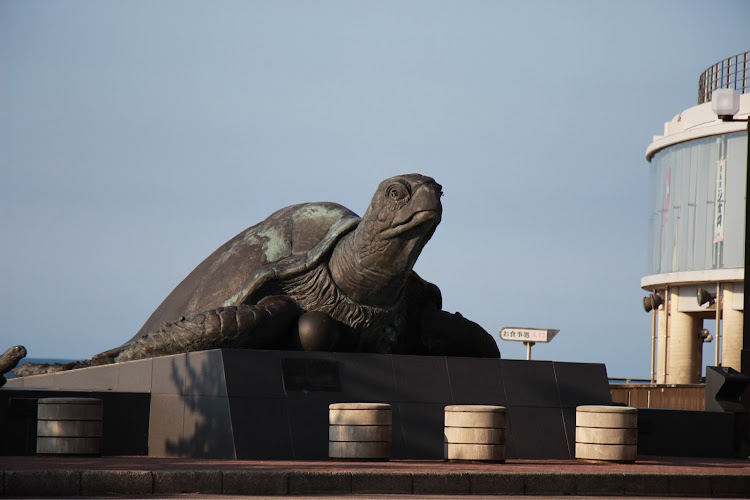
pixel 661 347
pixel 732 343
pixel 682 359
pixel 698 352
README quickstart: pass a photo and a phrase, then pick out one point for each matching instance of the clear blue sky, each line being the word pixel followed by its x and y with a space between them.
pixel 137 136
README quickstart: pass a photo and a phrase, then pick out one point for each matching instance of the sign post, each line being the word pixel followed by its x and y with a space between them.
pixel 529 336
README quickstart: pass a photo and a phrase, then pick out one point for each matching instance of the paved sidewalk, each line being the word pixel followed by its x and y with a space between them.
pixel 108 476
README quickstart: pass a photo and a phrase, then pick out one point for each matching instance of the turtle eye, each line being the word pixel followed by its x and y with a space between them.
pixel 397 192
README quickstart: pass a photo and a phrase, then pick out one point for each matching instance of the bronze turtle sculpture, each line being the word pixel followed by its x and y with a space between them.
pixel 316 276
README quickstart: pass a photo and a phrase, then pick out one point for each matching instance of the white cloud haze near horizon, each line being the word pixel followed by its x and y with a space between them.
pixel 137 137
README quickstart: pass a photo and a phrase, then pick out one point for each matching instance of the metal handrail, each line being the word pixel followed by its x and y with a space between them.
pixel 730 73
pixel 629 380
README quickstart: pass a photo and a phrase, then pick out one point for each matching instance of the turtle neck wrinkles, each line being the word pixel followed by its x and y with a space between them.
pixel 376 285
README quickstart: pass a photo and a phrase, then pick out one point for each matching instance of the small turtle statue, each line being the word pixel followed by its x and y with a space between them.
pixel 315 276
pixel 9 360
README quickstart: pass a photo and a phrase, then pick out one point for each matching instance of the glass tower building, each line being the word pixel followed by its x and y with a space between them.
pixel 698 177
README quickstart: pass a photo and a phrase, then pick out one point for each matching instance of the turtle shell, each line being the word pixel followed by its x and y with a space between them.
pixel 290 241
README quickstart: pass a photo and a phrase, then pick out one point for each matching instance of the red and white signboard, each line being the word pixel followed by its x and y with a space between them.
pixel 527 334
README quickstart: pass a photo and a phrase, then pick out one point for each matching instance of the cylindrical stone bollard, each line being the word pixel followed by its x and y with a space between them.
pixel 607 433
pixel 475 432
pixel 360 431
pixel 69 426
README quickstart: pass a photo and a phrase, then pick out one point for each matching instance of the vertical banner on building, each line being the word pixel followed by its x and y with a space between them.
pixel 665 221
pixel 666 197
pixel 721 178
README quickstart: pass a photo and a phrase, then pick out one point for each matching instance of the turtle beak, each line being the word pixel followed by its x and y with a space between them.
pixel 424 209
pixel 425 199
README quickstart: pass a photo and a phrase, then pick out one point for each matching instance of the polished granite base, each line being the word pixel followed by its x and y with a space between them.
pixel 251 404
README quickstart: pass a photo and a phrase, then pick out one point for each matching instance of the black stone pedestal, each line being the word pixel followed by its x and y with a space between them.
pixel 250 404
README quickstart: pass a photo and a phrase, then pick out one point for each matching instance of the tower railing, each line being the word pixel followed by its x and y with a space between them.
pixel 730 73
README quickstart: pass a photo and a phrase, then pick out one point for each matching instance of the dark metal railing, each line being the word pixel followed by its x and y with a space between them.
pixel 620 380
pixel 730 73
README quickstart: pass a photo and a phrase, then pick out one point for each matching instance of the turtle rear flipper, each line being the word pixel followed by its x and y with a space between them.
pixel 266 325
pixel 43 368
pixel 106 357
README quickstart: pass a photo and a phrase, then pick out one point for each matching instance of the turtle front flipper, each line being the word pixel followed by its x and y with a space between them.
pixel 269 324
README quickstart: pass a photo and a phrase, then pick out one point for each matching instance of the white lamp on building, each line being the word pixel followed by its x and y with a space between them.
pixel 725 103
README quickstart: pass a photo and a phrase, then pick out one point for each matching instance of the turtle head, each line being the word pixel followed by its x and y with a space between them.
pixel 405 207
pixel 372 265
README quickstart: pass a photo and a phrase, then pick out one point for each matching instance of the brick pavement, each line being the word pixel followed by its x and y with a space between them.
pixel 102 476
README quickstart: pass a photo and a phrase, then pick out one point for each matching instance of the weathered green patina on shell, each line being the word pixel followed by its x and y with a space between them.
pixel 289 242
